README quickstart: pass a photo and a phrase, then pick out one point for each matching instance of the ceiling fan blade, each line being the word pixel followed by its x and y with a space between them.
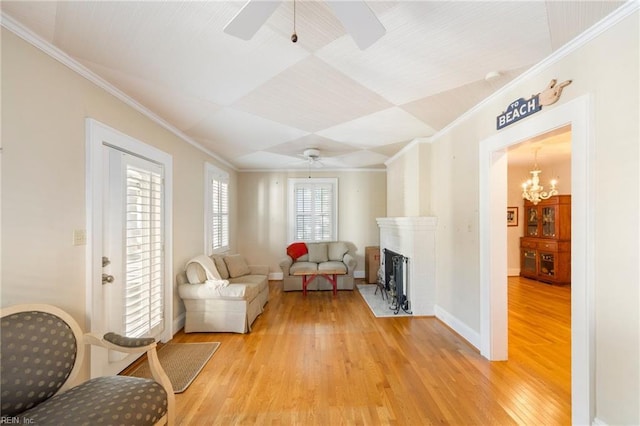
pixel 250 18
pixel 359 20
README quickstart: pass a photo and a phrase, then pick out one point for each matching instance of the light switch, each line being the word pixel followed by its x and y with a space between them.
pixel 79 237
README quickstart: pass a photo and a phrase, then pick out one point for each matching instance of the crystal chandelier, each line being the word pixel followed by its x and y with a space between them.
pixel 532 190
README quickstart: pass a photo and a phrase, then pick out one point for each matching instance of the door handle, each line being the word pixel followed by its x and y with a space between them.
pixel 107 279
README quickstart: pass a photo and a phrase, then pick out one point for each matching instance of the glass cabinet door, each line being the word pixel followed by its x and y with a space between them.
pixel 529 261
pixel 548 221
pixel 547 264
pixel 531 216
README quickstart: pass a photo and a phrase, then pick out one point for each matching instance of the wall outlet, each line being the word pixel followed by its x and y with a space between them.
pixel 79 237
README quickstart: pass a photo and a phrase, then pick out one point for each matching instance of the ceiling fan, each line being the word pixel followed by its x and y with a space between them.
pixel 312 155
pixel 356 17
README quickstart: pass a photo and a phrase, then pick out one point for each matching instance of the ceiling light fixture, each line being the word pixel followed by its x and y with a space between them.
pixel 532 190
pixel 311 154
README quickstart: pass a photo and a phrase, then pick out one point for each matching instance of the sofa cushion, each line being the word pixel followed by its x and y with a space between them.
pixel 259 281
pixel 295 250
pixel 221 267
pixel 248 279
pixel 303 266
pixel 337 250
pixel 332 265
pixel 303 258
pixel 318 252
pixel 236 265
pixel 244 291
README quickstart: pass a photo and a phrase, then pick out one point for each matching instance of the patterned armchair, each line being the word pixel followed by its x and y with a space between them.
pixel 42 348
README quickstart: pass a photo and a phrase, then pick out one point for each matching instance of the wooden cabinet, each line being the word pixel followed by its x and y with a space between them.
pixel 545 249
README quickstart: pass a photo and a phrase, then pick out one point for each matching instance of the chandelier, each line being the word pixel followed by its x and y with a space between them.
pixel 532 190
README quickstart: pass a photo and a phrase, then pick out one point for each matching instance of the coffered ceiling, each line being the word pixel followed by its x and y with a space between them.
pixel 259 104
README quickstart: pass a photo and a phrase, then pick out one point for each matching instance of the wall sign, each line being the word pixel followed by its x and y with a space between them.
pixel 521 108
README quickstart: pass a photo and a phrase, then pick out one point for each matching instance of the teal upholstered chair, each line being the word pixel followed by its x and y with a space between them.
pixel 41 353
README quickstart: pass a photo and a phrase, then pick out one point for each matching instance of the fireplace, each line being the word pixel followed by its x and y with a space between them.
pixel 395 279
pixel 412 238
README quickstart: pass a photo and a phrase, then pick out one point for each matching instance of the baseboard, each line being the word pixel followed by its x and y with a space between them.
pixel 358 274
pixel 178 323
pixel 273 276
pixel 598 422
pixel 458 326
pixel 513 272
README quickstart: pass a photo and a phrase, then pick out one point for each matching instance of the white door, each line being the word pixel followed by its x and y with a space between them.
pixel 133 241
pixel 129 269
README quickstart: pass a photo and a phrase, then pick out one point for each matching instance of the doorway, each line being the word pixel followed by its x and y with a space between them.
pixel 493 237
pixel 129 285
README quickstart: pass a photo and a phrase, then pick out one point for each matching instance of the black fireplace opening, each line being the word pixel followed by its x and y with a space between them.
pixel 395 276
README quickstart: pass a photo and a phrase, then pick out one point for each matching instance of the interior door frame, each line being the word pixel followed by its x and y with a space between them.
pixel 97 136
pixel 493 244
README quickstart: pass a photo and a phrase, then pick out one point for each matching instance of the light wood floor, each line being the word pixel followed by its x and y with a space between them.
pixel 329 361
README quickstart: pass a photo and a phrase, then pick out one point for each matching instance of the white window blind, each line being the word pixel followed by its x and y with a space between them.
pixel 143 293
pixel 216 210
pixel 220 214
pixel 313 210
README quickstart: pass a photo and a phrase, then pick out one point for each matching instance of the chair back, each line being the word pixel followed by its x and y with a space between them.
pixel 39 351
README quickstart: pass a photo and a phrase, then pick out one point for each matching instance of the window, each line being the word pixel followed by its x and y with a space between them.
pixel 216 210
pixel 313 207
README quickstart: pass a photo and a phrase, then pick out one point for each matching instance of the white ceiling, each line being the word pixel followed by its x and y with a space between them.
pixel 259 104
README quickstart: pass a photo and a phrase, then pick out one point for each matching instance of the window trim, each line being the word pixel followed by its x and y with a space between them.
pixel 213 172
pixel 291 185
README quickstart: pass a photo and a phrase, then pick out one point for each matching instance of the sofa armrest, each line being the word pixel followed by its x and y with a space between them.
pixel 351 263
pixel 259 269
pixel 285 264
pixel 181 278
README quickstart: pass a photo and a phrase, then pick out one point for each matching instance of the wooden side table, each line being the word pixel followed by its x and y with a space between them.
pixel 330 274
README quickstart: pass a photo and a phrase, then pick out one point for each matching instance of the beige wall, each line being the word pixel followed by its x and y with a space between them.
pixel 607 69
pixel 408 177
pixel 44 106
pixel 262 212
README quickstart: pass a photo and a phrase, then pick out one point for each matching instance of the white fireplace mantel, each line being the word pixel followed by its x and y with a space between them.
pixel 414 237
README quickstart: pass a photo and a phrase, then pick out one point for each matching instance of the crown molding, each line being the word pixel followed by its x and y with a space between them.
pixel 30 37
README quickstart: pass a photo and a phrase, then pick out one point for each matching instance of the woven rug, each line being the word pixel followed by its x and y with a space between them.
pixel 379 307
pixel 181 361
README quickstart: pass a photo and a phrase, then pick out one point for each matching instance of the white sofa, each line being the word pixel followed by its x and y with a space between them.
pixel 319 256
pixel 222 293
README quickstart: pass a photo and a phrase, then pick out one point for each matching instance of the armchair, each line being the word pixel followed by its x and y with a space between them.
pixel 42 349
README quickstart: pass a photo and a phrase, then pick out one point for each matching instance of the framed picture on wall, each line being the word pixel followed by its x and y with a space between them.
pixel 512 216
